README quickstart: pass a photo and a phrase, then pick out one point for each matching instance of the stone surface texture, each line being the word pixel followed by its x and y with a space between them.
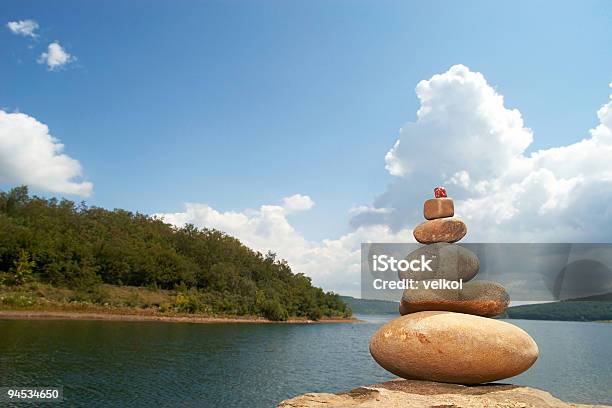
pixel 452 347
pixel 449 261
pixel 440 230
pixel 438 208
pixel 426 394
pixel 480 298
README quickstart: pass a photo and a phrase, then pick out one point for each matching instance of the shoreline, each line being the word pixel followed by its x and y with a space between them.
pixel 65 315
pixel 149 317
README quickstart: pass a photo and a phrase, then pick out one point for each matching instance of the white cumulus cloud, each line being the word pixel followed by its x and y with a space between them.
pixel 333 263
pixel 27 28
pixel 466 138
pixel 462 127
pixel 297 202
pixel 30 155
pixel 55 57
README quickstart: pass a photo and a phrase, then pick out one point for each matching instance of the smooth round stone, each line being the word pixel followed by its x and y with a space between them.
pixel 448 261
pixel 440 230
pixel 452 347
pixel 481 298
pixel 438 208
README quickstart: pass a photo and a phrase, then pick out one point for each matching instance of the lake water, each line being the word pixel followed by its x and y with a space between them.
pixel 143 364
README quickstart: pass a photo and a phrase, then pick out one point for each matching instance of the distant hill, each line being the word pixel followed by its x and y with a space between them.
pixel 585 309
pixel 370 306
pixel 590 308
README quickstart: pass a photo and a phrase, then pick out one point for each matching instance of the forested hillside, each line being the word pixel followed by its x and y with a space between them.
pixel 63 244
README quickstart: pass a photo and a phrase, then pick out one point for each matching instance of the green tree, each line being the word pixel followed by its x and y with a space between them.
pixel 23 269
pixel 273 310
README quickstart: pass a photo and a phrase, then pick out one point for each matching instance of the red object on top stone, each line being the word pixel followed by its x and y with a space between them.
pixel 440 192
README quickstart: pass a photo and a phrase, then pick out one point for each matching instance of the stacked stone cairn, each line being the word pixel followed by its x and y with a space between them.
pixel 447 335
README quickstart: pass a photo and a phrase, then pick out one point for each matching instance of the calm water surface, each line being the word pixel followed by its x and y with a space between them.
pixel 144 364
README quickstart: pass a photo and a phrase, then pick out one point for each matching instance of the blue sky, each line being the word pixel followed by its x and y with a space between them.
pixel 238 104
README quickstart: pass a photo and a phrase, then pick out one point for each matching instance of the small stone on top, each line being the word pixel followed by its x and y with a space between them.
pixel 440 192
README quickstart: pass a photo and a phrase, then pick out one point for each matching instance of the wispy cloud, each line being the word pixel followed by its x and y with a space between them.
pixel 27 28
pixel 55 56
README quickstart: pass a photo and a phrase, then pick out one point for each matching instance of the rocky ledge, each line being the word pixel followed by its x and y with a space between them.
pixel 420 394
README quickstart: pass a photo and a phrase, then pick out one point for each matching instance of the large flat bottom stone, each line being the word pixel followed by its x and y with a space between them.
pixel 418 394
